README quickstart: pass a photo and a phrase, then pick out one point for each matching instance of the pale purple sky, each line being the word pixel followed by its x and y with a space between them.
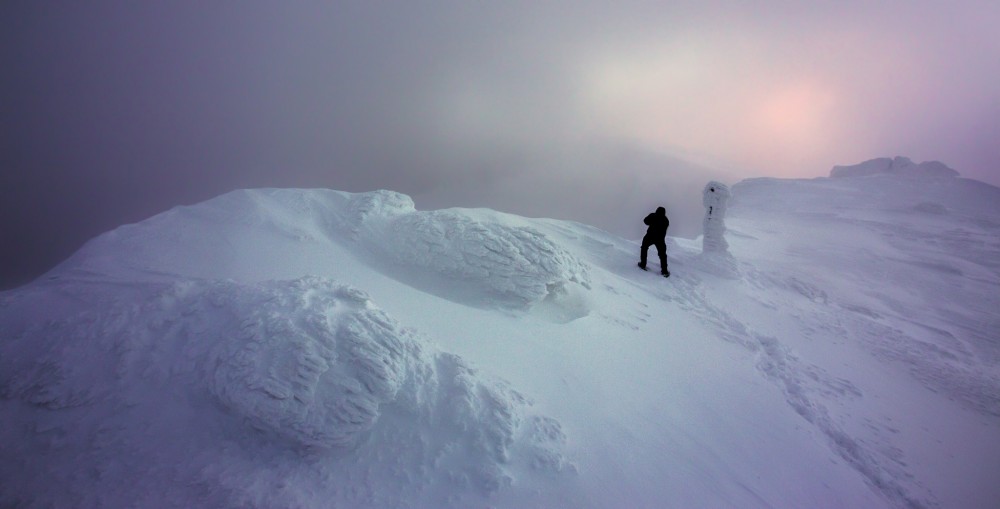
pixel 594 111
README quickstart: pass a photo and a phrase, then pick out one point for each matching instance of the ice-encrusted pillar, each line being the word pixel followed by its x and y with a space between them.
pixel 714 248
pixel 715 197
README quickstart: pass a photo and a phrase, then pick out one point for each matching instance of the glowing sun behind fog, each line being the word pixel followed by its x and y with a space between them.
pixel 797 119
pixel 707 98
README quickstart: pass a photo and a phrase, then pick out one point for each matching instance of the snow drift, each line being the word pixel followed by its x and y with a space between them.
pixel 315 348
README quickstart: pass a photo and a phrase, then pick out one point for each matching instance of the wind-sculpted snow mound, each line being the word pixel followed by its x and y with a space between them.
pixel 232 382
pixel 313 364
pixel 516 264
pixel 478 261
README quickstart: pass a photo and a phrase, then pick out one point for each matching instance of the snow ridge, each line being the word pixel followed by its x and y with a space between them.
pixel 471 257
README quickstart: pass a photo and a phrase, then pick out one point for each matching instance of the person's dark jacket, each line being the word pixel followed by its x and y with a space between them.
pixel 658 223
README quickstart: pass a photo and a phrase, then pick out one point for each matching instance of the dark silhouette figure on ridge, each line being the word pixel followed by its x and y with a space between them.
pixel 656 236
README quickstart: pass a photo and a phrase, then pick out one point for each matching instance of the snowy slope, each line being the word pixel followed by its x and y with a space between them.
pixel 889 280
pixel 313 348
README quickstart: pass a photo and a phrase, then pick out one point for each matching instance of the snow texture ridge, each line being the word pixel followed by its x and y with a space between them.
pixel 313 364
pixel 304 372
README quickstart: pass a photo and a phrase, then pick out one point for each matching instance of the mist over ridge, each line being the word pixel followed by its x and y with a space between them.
pixel 116 111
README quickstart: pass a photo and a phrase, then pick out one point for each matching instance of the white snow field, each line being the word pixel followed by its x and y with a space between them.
pixel 312 348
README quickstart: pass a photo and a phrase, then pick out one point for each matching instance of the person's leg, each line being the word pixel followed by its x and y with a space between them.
pixel 661 251
pixel 642 252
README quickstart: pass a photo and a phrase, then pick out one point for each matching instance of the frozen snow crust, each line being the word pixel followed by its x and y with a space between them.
pixel 315 348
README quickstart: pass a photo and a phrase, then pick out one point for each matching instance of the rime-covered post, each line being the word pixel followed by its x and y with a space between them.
pixel 715 256
pixel 715 198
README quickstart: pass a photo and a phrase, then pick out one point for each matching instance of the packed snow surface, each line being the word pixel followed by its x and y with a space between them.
pixel 315 348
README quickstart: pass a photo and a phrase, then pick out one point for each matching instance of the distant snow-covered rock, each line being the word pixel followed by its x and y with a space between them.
pixel 895 166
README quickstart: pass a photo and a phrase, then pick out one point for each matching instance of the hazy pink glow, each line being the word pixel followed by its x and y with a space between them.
pixel 795 99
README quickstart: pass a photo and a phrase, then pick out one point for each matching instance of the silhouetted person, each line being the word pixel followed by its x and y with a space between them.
pixel 656 236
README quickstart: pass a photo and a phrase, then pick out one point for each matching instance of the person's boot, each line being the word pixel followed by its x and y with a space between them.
pixel 665 272
pixel 641 266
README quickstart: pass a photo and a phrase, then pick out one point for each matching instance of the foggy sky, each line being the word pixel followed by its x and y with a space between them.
pixel 592 111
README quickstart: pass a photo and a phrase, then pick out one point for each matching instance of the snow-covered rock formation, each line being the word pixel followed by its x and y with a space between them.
pixel 895 166
pixel 222 327
pixel 504 264
pixel 234 381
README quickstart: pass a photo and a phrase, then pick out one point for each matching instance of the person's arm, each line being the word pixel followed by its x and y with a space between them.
pixel 648 219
